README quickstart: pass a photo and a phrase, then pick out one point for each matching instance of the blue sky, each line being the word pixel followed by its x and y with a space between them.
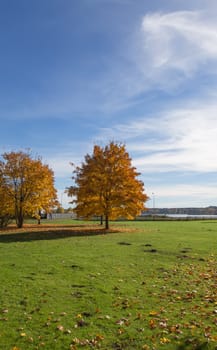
pixel 78 72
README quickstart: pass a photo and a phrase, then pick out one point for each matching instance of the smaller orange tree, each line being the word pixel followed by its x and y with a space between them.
pixel 107 185
pixel 6 203
pixel 26 185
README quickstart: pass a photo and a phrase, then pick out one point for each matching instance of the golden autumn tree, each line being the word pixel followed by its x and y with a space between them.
pixel 28 185
pixel 106 184
pixel 6 203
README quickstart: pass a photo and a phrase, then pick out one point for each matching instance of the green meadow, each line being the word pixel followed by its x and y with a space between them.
pixel 143 285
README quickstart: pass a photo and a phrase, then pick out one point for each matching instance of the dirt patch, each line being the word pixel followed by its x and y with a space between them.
pixel 47 232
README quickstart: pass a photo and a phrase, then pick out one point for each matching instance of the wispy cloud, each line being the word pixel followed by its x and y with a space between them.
pixel 167 51
pixel 178 41
pixel 175 140
pixel 162 52
pixel 183 195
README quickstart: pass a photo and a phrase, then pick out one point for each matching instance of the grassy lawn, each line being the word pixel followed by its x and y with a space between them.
pixel 144 285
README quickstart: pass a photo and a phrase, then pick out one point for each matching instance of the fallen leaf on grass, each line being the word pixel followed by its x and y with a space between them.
pixel 123 321
pixel 23 334
pixel 139 316
pixel 164 340
pixel 99 337
pixel 91 342
pixel 73 347
pixel 146 347
pixel 121 331
pixel 60 328
pixel 4 311
pixel 63 313
pixel 153 313
pixel 152 324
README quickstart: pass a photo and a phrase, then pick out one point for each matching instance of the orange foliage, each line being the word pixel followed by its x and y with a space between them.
pixel 106 184
pixel 28 185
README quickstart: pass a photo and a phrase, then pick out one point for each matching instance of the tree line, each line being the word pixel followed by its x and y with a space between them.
pixel 105 185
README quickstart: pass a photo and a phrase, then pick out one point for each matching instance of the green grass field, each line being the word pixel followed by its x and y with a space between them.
pixel 144 285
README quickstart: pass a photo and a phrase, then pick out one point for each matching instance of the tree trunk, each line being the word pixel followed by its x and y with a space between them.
pixel 106 222
pixel 101 220
pixel 16 214
pixel 19 218
pixel 19 215
pixel 39 217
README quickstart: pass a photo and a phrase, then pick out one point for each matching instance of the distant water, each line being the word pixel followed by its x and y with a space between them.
pixel 191 216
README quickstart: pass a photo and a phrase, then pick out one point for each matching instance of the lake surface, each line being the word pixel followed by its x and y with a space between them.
pixel 191 216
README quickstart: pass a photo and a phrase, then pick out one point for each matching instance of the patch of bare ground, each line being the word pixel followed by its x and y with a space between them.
pixel 53 231
pixel 59 227
pixel 33 232
pixel 44 228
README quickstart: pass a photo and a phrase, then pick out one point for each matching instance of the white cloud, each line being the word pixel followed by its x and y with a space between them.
pixel 179 40
pixel 61 166
pixel 169 49
pixel 63 198
pixel 176 140
pixel 183 195
pixel 186 190
pixel 164 52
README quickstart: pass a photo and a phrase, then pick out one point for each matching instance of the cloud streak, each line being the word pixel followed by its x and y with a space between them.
pixel 179 42
pixel 163 53
pixel 184 195
pixel 176 140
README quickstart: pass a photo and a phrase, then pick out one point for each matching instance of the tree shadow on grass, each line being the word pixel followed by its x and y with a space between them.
pixel 51 233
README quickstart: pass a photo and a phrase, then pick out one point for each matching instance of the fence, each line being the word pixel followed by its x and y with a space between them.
pixel 60 216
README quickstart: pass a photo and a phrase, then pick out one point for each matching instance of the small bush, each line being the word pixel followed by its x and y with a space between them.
pixel 5 219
